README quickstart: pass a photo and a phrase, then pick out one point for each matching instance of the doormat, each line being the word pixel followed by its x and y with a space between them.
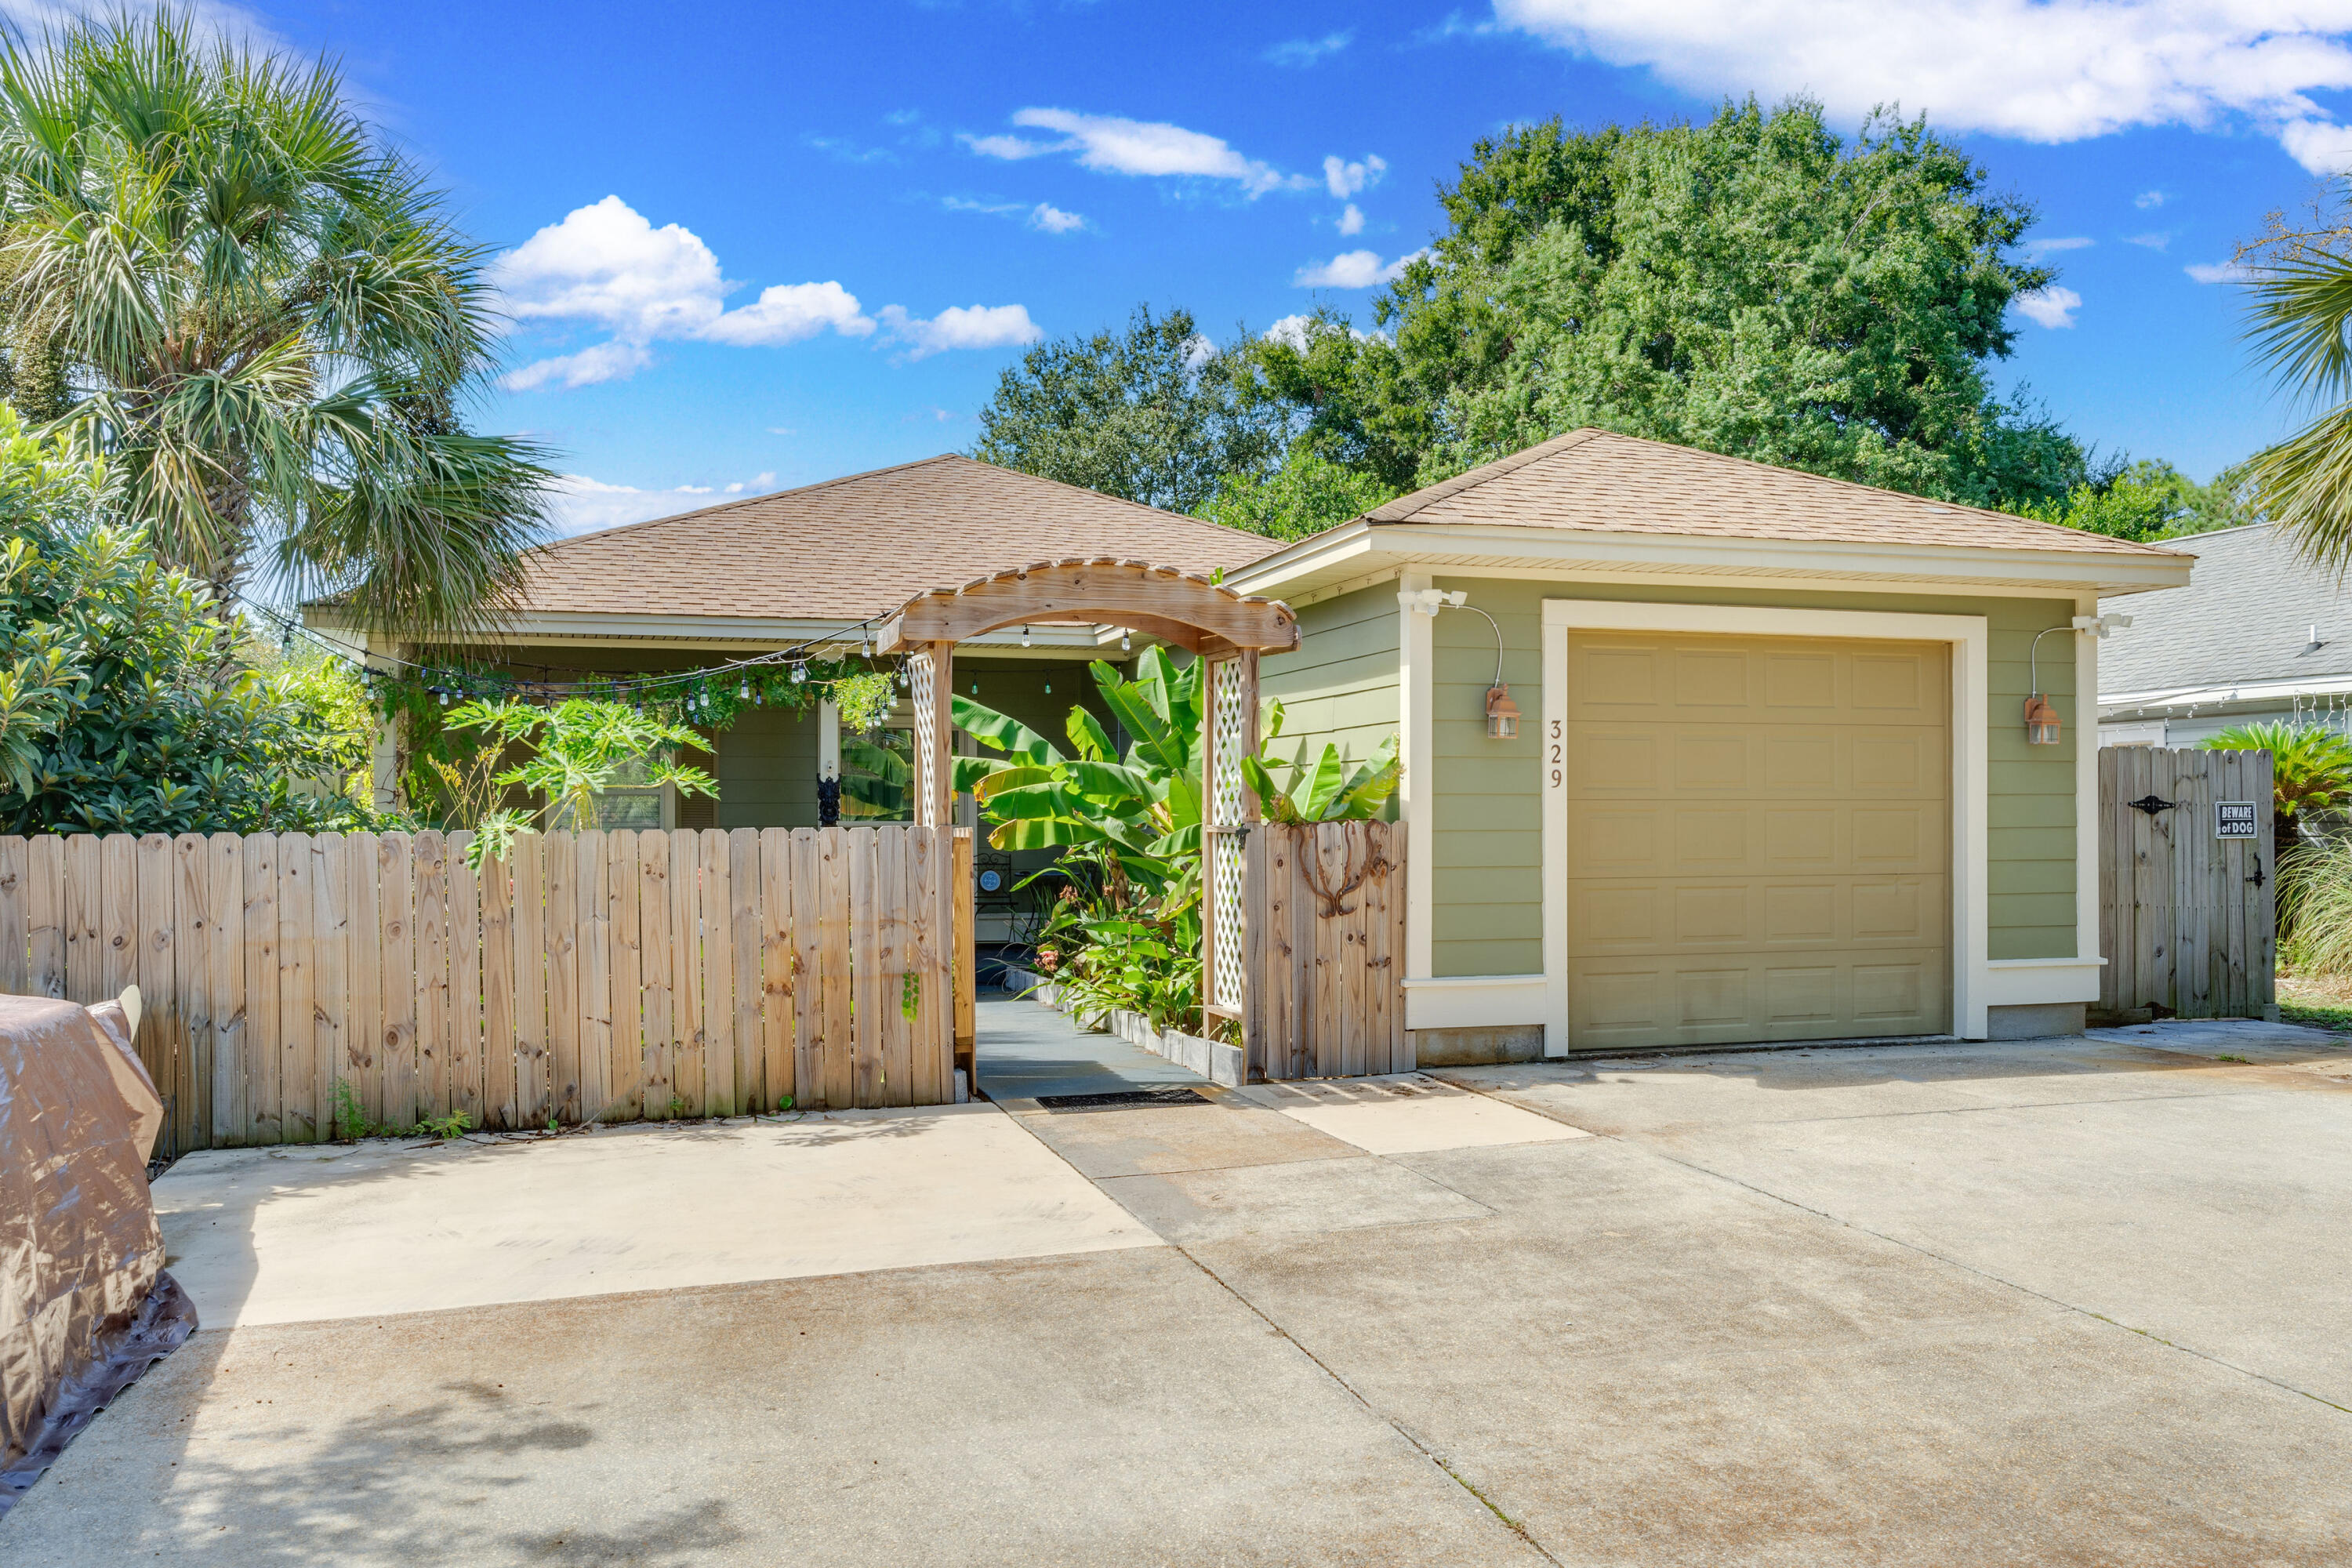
pixel 1122 1099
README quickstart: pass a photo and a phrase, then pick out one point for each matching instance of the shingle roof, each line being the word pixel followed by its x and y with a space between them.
pixel 1594 480
pixel 859 546
pixel 2248 617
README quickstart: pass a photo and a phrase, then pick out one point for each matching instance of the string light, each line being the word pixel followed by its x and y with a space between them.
pixel 1024 636
pixel 1126 641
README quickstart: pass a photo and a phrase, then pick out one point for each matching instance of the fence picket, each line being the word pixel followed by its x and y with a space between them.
pixel 395 865
pixel 743 885
pixel 15 930
pixel 593 958
pixel 295 940
pixel 498 1105
pixel 153 971
pixel 866 968
pixel 723 1095
pixel 810 1053
pixel 560 867
pixel 655 967
pixel 429 884
pixel 363 992
pixel 776 959
pixel 223 856
pixel 330 900
pixel 192 940
pixel 528 916
pixel 261 1022
pixel 465 1025
pixel 46 922
pixel 686 1091
pixel 625 1061
pixel 930 1033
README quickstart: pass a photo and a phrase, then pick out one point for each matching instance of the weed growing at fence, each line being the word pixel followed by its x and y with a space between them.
pixel 351 1117
pixel 351 1121
pixel 456 1125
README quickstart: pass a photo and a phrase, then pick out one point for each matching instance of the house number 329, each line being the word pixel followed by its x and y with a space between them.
pixel 1555 754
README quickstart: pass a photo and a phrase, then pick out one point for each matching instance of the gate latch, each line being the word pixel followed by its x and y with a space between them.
pixel 2151 804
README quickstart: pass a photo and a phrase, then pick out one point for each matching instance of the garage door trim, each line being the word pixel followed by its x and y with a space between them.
pixel 1971 687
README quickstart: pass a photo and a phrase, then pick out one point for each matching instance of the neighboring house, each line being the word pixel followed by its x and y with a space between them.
pixel 2261 633
pixel 1772 780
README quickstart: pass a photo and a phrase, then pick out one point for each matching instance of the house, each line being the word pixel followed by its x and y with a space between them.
pixel 1770 777
pixel 1774 780
pixel 2262 634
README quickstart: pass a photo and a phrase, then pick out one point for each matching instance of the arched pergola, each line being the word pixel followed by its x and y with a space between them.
pixel 1226 630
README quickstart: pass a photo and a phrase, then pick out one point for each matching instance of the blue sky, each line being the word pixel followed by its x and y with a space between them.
pixel 758 246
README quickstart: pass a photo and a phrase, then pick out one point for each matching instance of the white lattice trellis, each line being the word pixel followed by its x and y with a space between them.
pixel 921 673
pixel 1228 719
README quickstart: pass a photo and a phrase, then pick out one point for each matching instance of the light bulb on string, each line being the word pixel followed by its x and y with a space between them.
pixel 800 675
pixel 743 691
pixel 1125 640
pixel 1024 636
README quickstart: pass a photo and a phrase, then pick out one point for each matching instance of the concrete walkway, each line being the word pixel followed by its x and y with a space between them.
pixel 2062 1301
pixel 1025 1051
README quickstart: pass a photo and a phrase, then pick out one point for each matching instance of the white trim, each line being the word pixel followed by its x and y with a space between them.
pixel 1972 681
pixel 2250 692
pixel 2037 982
pixel 2086 723
pixel 1417 788
pixel 1552 779
pixel 1476 1002
pixel 1461 549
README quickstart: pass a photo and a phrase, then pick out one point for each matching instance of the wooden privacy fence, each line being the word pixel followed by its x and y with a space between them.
pixel 2188 919
pixel 1324 949
pixel 604 975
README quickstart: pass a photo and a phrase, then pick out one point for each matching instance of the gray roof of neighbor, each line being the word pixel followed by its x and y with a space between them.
pixel 1599 482
pixel 862 545
pixel 2246 617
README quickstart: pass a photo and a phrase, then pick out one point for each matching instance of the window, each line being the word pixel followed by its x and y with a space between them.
pixel 630 801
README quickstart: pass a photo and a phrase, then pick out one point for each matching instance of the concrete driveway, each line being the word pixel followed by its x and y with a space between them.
pixel 2067 1301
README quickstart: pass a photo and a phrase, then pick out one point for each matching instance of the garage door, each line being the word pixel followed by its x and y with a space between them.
pixel 1758 835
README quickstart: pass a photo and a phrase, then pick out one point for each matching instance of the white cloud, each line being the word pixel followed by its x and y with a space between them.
pixel 2150 199
pixel 966 204
pixel 2041 70
pixel 787 312
pixel 1113 145
pixel 2217 272
pixel 2053 306
pixel 582 505
pixel 1352 220
pixel 1291 330
pixel 961 327
pixel 614 361
pixel 1345 179
pixel 1352 269
pixel 2155 240
pixel 1052 219
pixel 2038 248
pixel 607 266
pixel 1307 51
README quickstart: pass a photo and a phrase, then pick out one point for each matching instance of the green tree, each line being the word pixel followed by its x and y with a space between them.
pixel 1754 285
pixel 125 704
pixel 215 274
pixel 570 752
pixel 2149 501
pixel 2299 309
pixel 1308 493
pixel 1152 414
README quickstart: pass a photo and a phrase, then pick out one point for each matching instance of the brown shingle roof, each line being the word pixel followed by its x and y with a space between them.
pixel 1598 481
pixel 858 546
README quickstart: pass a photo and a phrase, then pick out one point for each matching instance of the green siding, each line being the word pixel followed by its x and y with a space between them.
pixel 1487 852
pixel 1340 685
pixel 766 769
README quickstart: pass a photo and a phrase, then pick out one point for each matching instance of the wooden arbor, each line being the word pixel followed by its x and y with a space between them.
pixel 1225 629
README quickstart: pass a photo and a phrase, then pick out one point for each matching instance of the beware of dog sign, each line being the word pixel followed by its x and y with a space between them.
pixel 2233 819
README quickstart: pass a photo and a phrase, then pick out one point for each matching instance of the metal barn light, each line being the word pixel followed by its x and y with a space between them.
pixel 1502 713
pixel 2041 722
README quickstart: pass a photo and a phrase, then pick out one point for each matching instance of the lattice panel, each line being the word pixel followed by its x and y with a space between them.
pixel 921 671
pixel 1227 713
pixel 1226 878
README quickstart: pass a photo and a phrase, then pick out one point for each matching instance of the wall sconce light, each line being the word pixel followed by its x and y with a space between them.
pixel 2041 726
pixel 2040 721
pixel 1502 713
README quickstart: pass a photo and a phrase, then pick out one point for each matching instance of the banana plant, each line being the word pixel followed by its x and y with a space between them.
pixel 1325 790
pixel 1142 807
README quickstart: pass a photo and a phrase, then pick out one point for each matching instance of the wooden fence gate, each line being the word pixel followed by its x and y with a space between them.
pixel 1324 943
pixel 297 983
pixel 2187 885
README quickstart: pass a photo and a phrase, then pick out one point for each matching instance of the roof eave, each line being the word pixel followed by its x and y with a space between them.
pixel 1362 546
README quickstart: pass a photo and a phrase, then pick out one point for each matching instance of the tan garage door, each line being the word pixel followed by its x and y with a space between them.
pixel 1758 835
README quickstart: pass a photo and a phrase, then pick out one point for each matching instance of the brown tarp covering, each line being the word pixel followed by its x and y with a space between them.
pixel 85 1305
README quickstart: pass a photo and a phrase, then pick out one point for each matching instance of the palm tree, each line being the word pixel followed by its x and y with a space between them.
pixel 2300 307
pixel 214 275
pixel 2311 773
